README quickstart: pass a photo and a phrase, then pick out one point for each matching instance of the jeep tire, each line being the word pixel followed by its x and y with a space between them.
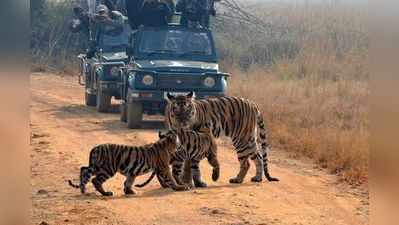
pixel 90 99
pixel 134 114
pixel 103 101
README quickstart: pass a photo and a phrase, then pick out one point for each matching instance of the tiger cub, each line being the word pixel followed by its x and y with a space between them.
pixel 108 159
pixel 194 147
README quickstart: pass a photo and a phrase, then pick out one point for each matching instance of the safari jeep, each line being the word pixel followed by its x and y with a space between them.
pixel 100 68
pixel 170 59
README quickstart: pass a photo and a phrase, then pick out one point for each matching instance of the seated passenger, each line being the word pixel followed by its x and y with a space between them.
pixel 155 13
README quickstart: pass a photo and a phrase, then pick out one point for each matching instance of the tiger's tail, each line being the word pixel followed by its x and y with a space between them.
pixel 72 184
pixel 147 181
pixel 264 146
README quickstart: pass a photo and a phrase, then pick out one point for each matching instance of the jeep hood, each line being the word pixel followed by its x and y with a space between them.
pixel 114 56
pixel 177 66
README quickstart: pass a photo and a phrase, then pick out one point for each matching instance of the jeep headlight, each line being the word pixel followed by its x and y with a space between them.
pixel 114 71
pixel 209 82
pixel 148 80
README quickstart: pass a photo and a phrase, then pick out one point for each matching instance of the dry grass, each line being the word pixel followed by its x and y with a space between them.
pixel 314 100
pixel 325 119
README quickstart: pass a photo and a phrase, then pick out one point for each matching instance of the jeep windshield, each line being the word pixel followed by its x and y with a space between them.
pixel 114 42
pixel 176 44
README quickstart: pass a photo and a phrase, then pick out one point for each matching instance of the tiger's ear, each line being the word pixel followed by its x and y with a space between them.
pixel 190 95
pixel 160 135
pixel 170 97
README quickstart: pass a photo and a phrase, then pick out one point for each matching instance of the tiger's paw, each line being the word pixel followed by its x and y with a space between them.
pixel 107 193
pixel 189 184
pixel 200 184
pixel 181 188
pixel 256 179
pixel 271 179
pixel 215 174
pixel 129 192
pixel 164 185
pixel 235 181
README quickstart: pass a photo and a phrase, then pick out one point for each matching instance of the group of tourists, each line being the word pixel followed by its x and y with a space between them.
pixel 110 13
pixel 86 20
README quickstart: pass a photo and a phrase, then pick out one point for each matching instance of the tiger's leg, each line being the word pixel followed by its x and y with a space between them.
pixel 244 166
pixel 266 167
pixel 162 181
pixel 248 148
pixel 257 159
pixel 127 186
pixel 197 174
pixel 167 176
pixel 213 161
pixel 85 175
pixel 98 182
pixel 187 176
pixel 177 167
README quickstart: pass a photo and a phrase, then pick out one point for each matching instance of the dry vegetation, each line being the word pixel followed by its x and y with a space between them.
pixel 325 120
pixel 315 102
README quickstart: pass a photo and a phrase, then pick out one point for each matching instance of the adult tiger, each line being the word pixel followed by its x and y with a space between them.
pixel 194 147
pixel 108 159
pixel 237 118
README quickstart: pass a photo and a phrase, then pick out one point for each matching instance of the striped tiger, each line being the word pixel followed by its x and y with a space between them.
pixel 108 159
pixel 194 147
pixel 237 118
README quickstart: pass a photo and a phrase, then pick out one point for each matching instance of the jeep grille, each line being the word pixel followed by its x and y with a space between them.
pixel 179 82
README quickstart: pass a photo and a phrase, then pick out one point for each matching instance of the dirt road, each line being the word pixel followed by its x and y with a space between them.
pixel 64 130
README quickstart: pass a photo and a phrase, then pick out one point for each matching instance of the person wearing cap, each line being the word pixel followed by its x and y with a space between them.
pixel 111 21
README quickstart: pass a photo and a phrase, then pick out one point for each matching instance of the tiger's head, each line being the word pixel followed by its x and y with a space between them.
pixel 182 112
pixel 171 139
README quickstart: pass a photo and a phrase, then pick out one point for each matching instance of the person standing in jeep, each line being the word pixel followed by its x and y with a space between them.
pixel 112 21
pixel 155 13
pixel 196 12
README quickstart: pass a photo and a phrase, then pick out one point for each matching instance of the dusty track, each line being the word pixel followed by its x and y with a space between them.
pixel 64 130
